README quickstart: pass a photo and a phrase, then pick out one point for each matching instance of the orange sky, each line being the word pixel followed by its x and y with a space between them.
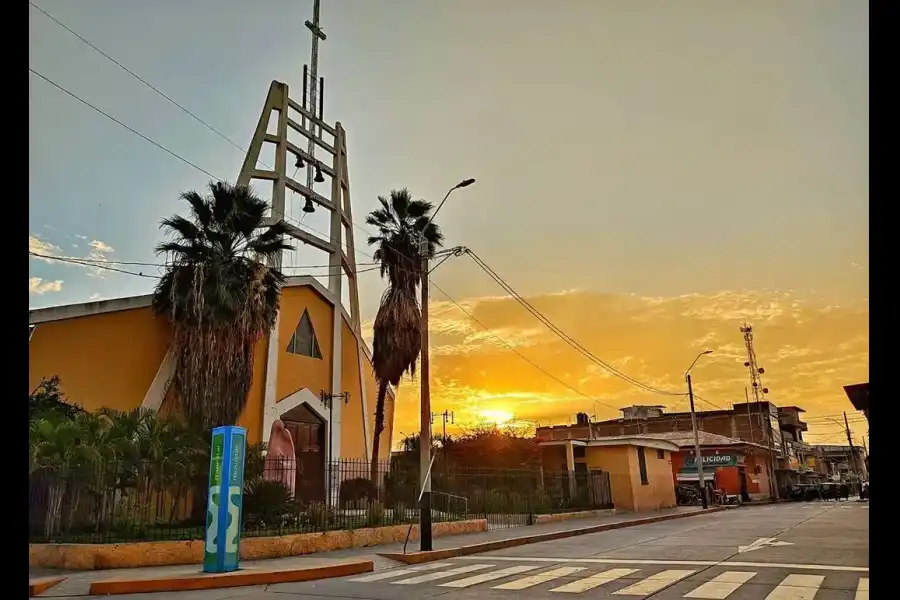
pixel 810 348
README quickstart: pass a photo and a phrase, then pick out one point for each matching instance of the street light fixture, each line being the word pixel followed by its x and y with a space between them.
pixel 424 374
pixel 687 376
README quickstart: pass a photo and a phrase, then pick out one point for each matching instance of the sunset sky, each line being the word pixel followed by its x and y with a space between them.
pixel 649 174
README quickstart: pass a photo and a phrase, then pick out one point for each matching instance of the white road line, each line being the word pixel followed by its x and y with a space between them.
pixel 398 572
pixel 533 580
pixel 673 563
pixel 862 589
pixel 721 586
pixel 797 587
pixel 654 583
pixel 441 574
pixel 589 583
pixel 485 577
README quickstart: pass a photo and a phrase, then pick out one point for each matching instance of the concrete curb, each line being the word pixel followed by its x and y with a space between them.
pixel 39 585
pixel 414 558
pixel 243 577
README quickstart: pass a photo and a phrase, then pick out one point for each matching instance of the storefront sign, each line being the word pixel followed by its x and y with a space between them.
pixel 224 500
pixel 716 460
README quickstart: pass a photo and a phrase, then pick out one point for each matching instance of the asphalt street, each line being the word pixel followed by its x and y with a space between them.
pixel 796 551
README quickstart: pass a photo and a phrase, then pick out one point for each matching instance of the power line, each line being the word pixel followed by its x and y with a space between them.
pixel 120 123
pixel 138 77
pixel 76 261
pixel 522 356
pixel 90 262
pixel 564 336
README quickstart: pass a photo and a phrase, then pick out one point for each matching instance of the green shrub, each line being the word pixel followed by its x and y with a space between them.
pixel 266 503
pixel 353 491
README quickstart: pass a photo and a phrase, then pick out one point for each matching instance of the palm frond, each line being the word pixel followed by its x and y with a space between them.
pixel 199 208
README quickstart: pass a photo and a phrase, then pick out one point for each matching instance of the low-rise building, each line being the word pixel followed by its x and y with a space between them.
pixel 639 467
pixel 735 467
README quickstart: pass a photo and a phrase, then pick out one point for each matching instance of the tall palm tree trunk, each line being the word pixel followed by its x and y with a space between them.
pixel 379 427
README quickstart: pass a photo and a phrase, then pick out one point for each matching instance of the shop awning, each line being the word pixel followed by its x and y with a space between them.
pixel 691 476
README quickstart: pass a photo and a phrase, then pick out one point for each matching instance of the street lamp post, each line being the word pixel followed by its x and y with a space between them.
pixel 687 376
pixel 424 375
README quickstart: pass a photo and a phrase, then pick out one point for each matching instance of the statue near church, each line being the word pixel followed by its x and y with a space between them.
pixel 281 463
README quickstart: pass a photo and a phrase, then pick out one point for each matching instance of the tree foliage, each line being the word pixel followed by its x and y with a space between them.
pixel 220 298
pixel 401 223
pixel 47 401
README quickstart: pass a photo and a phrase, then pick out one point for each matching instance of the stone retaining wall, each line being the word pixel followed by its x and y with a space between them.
pixel 153 554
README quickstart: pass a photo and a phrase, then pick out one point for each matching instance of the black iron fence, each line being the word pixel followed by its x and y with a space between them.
pixel 148 501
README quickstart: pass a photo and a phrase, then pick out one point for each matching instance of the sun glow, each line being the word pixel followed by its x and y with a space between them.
pixel 497 417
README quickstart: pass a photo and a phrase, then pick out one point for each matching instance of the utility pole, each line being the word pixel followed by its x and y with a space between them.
pixel 445 416
pixel 687 375
pixel 425 376
pixel 425 413
pixel 852 449
pixel 703 494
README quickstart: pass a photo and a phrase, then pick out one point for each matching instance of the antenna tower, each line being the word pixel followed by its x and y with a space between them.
pixel 759 392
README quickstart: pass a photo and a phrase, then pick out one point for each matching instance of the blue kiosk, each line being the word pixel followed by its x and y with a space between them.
pixel 225 499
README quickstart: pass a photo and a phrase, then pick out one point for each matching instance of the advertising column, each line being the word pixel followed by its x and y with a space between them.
pixel 225 499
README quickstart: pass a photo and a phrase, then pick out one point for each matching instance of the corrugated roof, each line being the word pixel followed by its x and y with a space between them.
pixel 686 439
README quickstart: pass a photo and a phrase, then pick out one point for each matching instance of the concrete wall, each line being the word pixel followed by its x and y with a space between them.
pixel 615 460
pixel 659 491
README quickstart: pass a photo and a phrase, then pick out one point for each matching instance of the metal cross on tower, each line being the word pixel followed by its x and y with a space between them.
pixel 330 142
pixel 315 87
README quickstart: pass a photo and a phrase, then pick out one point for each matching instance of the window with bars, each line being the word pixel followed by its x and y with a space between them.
pixel 304 341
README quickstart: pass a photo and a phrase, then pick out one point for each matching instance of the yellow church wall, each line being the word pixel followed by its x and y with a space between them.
pixel 110 359
pixel 296 372
pixel 353 439
pixel 105 360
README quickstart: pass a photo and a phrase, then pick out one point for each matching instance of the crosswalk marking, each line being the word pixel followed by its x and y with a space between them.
pixel 862 589
pixel 533 580
pixel 397 572
pixel 485 577
pixel 589 583
pixel 441 574
pixel 654 583
pixel 797 587
pixel 721 586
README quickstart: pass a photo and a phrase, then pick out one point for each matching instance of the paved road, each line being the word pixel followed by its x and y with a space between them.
pixel 815 551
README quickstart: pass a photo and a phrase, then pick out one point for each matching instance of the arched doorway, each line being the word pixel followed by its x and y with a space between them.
pixel 308 432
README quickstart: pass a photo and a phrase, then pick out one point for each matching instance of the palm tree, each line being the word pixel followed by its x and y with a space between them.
pixel 220 298
pixel 401 223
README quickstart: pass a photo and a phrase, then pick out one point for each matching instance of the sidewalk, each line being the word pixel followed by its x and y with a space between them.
pixel 78 582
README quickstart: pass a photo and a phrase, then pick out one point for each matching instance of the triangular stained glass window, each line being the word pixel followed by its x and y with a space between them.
pixel 304 341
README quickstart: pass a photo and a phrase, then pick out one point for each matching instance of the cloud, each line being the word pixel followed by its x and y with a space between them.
pixel 99 251
pixel 39 246
pixel 810 349
pixel 38 286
